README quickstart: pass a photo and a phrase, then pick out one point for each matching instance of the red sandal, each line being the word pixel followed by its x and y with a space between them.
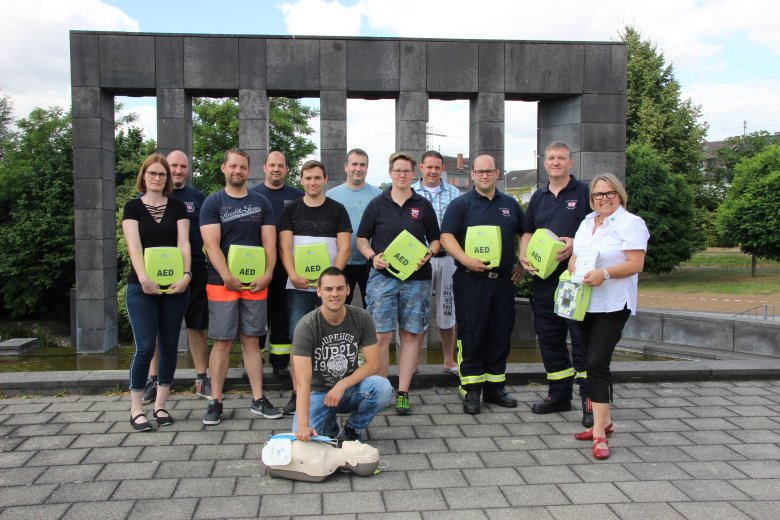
pixel 600 453
pixel 587 435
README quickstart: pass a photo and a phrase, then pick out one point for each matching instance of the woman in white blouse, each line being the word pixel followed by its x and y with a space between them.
pixel 620 238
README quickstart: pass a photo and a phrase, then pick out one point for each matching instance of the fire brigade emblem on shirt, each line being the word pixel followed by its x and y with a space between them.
pixel 337 365
pixel 190 207
pixel 415 213
pixel 571 204
pixel 505 212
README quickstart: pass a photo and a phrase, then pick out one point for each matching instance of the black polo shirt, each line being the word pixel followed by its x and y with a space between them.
pixel 562 214
pixel 383 219
pixel 474 209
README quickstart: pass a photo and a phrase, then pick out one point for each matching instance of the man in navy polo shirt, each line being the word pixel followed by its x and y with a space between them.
pixel 280 195
pixel 484 297
pixel 389 299
pixel 560 207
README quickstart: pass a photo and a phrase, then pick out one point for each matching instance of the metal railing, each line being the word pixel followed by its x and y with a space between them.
pixel 765 311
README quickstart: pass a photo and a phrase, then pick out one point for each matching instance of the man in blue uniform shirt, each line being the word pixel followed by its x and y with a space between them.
pixel 484 297
pixel 560 207
pixel 280 195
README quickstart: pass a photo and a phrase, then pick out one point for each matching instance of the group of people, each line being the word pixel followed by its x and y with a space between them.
pixel 340 353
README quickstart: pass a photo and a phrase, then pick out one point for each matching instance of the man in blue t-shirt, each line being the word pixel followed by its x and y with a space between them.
pixel 237 216
pixel 355 194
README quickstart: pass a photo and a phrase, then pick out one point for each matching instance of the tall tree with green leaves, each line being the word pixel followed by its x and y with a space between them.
pixel 215 129
pixel 750 214
pixel 36 229
pixel 7 133
pixel 665 202
pixel 656 115
pixel 720 170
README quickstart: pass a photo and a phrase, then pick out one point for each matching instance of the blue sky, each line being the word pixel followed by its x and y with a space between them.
pixel 726 54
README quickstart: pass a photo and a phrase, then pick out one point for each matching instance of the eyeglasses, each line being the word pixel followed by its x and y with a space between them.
pixel 399 172
pixel 159 175
pixel 608 194
pixel 481 173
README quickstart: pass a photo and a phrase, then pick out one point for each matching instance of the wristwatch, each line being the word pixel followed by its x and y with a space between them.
pixel 189 273
pixel 606 274
pixel 371 258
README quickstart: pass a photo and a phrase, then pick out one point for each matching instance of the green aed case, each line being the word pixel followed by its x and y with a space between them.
pixel 311 260
pixel 246 262
pixel 571 299
pixel 403 254
pixel 164 265
pixel 541 251
pixel 484 243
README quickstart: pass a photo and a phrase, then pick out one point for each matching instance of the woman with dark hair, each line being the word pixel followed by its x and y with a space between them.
pixel 154 220
pixel 620 239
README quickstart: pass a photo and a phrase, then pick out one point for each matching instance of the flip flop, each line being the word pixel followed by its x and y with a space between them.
pixel 451 370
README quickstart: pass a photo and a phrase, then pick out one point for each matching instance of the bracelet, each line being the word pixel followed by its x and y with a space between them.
pixel 371 258
pixel 189 273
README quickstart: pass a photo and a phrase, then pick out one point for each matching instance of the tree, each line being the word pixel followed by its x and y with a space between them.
pixel 655 113
pixel 36 230
pixel 720 170
pixel 750 214
pixel 7 133
pixel 665 202
pixel 130 148
pixel 215 129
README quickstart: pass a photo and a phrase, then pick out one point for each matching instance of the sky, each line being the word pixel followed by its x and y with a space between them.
pixel 726 54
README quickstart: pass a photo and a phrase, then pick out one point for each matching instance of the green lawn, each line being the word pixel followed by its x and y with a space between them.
pixel 716 280
pixel 726 257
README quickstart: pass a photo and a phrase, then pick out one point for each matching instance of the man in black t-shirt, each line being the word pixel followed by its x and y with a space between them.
pixel 313 219
pixel 329 377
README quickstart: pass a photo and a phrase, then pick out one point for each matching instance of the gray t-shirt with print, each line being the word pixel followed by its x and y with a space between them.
pixel 333 349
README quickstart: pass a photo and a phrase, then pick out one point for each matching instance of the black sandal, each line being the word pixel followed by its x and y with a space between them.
pixel 167 420
pixel 143 426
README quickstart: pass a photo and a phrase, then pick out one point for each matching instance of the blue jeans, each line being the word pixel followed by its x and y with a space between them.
pixel 299 304
pixel 155 319
pixel 363 401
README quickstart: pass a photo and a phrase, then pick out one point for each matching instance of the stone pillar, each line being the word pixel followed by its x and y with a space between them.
pixel 486 127
pixel 253 129
pixel 333 134
pixel 174 121
pixel 95 219
pixel 411 120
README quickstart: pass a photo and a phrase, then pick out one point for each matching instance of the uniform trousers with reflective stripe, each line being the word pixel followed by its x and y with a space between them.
pixel 551 331
pixel 485 313
pixel 278 321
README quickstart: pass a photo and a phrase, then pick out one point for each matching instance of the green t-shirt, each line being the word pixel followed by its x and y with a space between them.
pixel 333 349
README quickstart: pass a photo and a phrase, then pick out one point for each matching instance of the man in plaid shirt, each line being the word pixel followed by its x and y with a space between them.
pixel 440 194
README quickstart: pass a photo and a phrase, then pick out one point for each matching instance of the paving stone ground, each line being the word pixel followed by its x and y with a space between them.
pixel 683 450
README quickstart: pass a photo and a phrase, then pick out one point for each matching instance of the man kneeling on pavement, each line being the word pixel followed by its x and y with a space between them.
pixel 330 380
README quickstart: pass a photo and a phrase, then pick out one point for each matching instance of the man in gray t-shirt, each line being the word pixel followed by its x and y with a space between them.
pixel 328 376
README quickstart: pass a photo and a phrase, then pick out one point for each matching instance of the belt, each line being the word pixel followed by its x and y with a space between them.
pixel 489 274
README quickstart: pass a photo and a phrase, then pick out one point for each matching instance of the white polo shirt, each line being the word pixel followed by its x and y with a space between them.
pixel 622 231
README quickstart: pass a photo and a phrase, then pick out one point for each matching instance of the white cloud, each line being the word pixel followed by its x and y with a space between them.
pixel 35 61
pixel 308 17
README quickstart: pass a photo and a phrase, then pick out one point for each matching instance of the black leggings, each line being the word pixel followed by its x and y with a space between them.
pixel 600 333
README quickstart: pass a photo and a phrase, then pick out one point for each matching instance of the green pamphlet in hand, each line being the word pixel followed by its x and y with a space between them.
pixel 164 265
pixel 542 249
pixel 246 263
pixel 403 254
pixel 571 299
pixel 311 260
pixel 484 243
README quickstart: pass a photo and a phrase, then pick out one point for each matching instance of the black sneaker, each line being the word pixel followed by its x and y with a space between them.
pixel 264 407
pixel 587 413
pixel 289 408
pixel 551 405
pixel 203 387
pixel 213 413
pixel 150 392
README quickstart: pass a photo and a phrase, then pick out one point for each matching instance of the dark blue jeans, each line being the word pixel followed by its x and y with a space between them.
pixel 155 319
pixel 299 304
